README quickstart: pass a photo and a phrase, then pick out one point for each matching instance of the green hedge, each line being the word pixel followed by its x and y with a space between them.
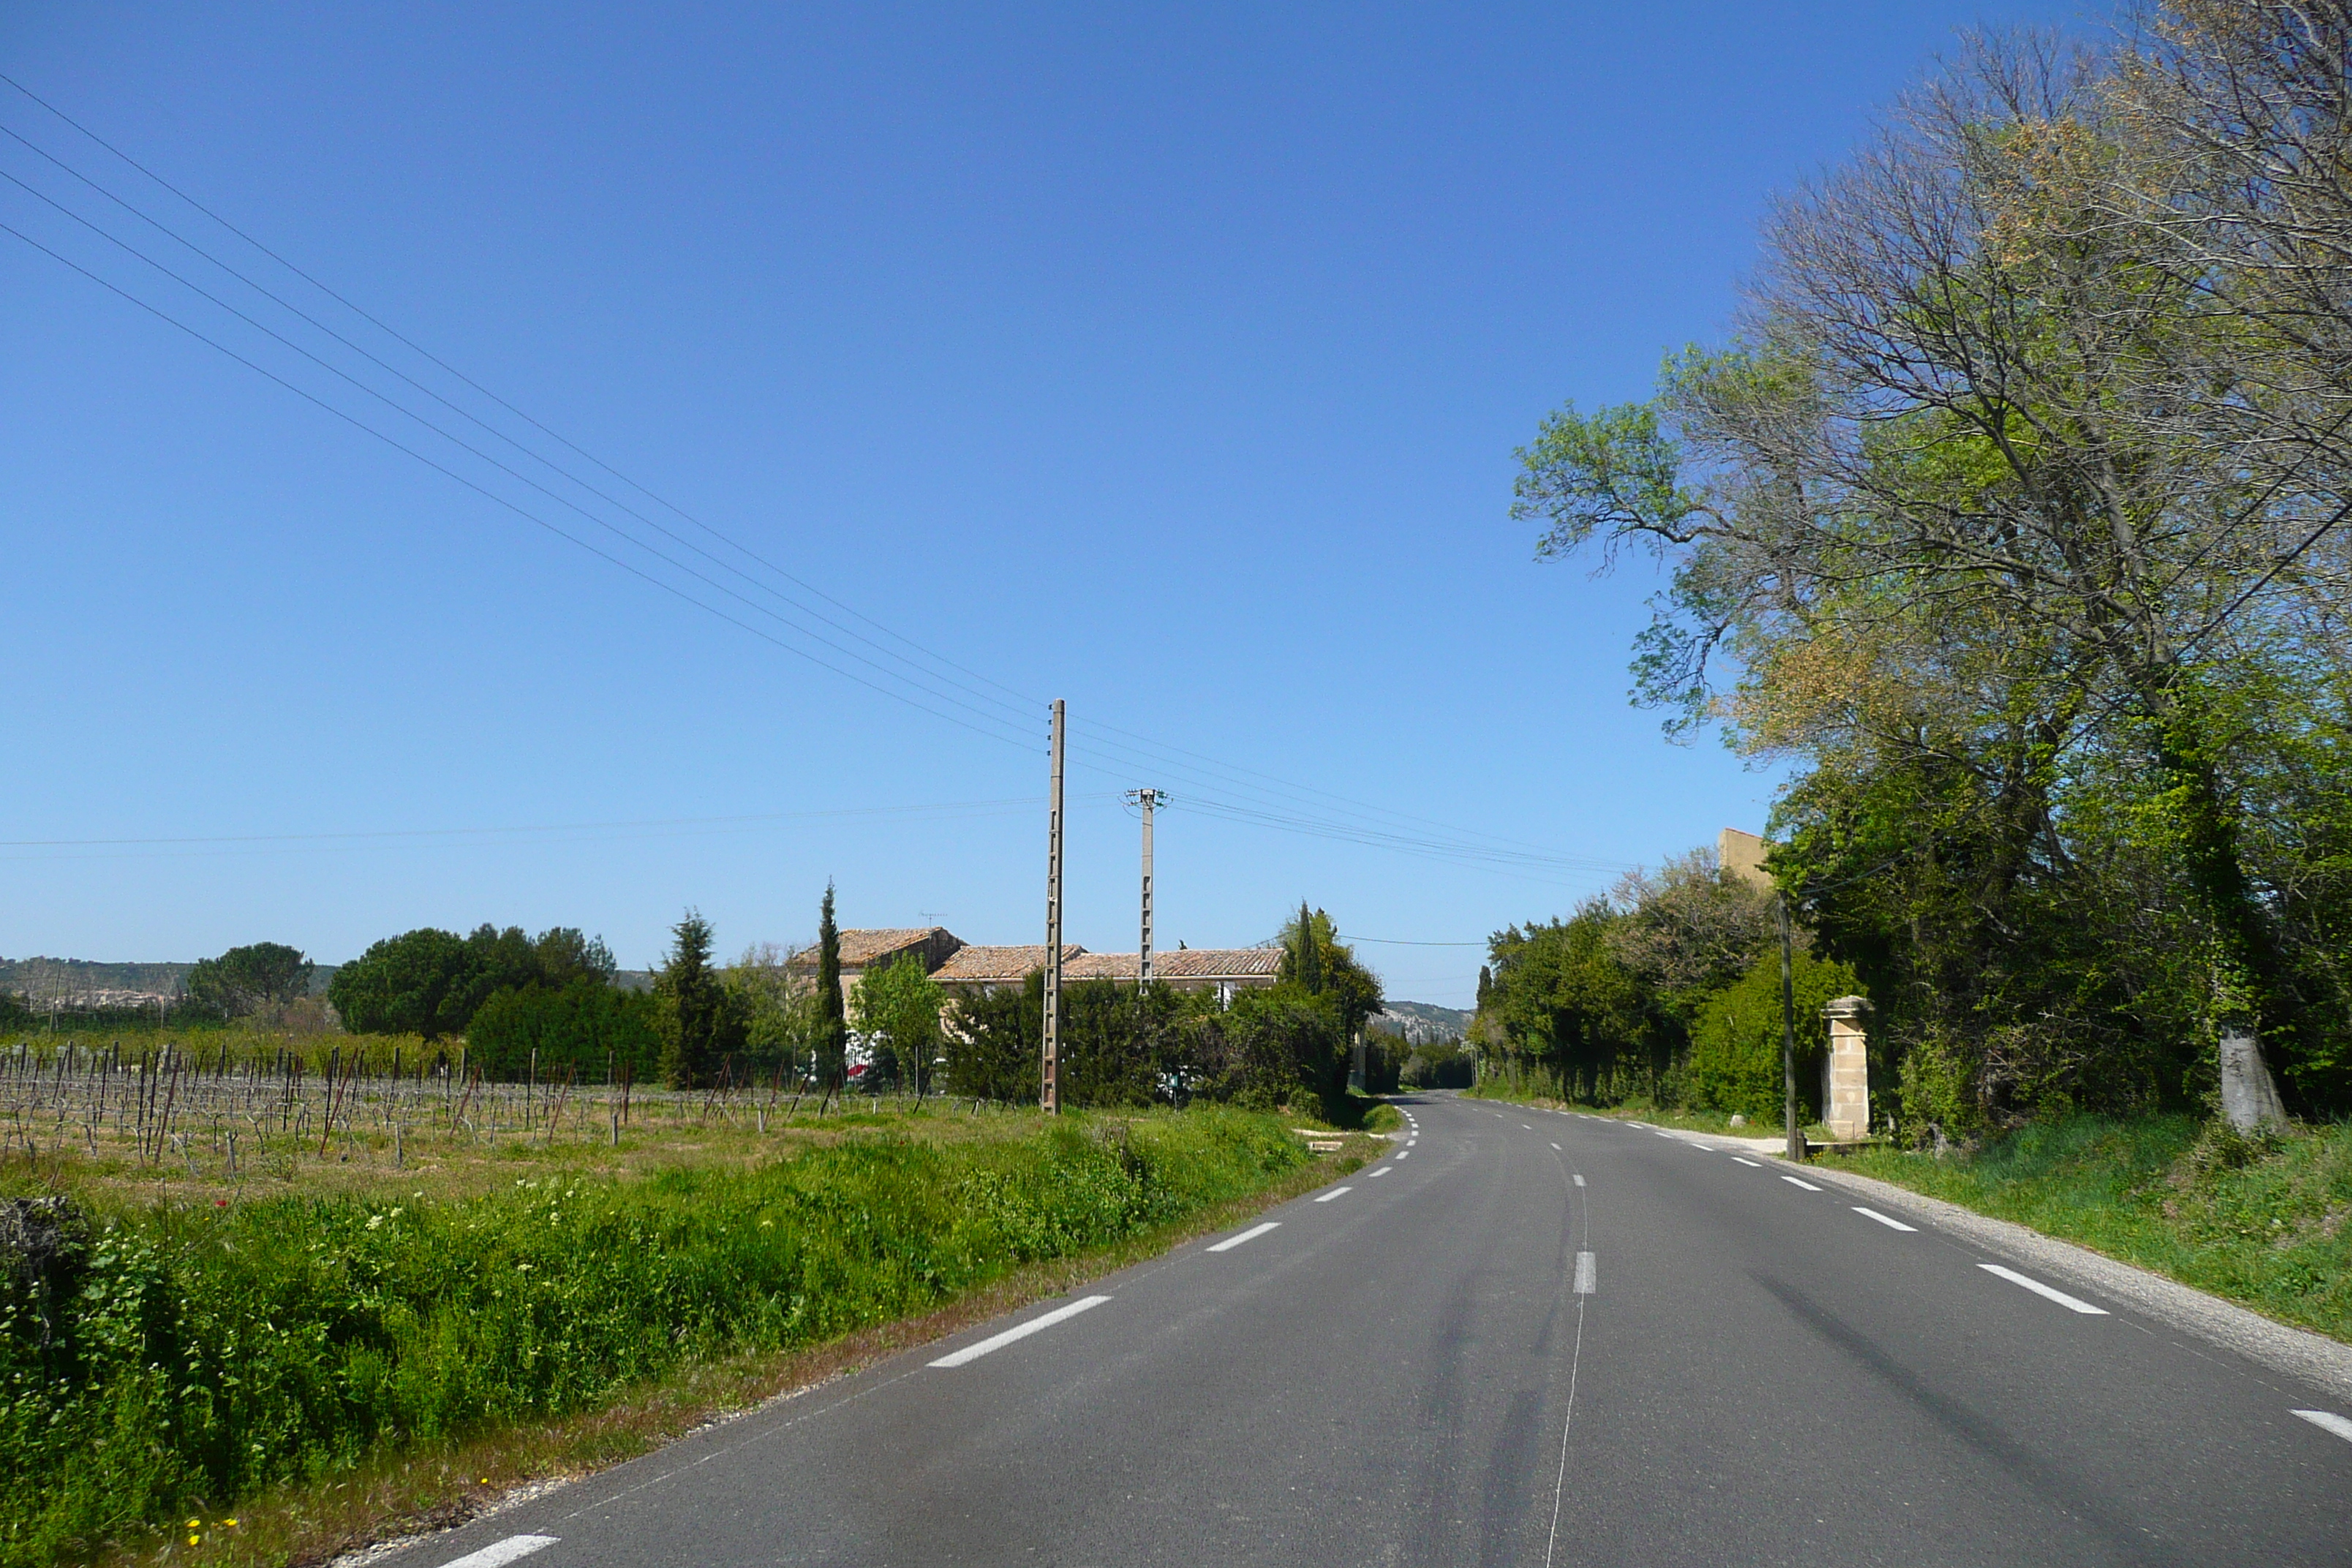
pixel 174 1357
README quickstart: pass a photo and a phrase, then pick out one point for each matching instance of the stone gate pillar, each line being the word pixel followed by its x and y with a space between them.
pixel 1846 1075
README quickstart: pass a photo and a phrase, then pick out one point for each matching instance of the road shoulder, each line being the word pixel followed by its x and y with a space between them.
pixel 2298 1354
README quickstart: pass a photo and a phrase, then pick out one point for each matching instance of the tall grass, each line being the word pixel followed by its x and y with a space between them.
pixel 2264 1221
pixel 178 1358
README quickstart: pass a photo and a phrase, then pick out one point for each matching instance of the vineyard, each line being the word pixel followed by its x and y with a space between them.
pixel 245 1107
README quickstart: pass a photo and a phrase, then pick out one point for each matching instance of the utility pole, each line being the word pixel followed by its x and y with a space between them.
pixel 1789 1038
pixel 1052 1099
pixel 1146 799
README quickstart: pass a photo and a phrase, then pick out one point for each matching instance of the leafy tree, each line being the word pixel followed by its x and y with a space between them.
pixel 1690 928
pixel 431 983
pixel 418 983
pixel 700 1028
pixel 2008 494
pixel 245 980
pixel 1323 967
pixel 899 1012
pixel 561 954
pixel 778 1016
pixel 1277 1045
pixel 1566 1008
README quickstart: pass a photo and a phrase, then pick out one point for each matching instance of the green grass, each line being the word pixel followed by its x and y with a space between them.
pixel 205 1353
pixel 2266 1223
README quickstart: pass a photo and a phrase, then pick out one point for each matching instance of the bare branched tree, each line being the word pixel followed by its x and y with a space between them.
pixel 1964 487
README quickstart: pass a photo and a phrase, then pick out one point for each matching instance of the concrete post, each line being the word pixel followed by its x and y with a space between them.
pixel 1845 1075
pixel 2250 1097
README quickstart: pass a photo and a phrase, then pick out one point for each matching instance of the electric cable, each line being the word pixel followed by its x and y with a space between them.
pixel 1201 768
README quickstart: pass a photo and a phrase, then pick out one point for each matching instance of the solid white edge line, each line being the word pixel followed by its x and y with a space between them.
pixel 1018 1331
pixel 1334 1193
pixel 2072 1303
pixel 1883 1219
pixel 1807 1186
pixel 502 1552
pixel 1584 1274
pixel 2328 1420
pixel 1251 1234
pixel 1749 1163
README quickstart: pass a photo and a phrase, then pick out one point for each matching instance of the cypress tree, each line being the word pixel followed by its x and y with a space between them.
pixel 832 1018
pixel 1306 963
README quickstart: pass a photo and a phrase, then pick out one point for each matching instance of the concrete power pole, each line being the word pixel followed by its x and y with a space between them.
pixel 1052 1098
pixel 1146 799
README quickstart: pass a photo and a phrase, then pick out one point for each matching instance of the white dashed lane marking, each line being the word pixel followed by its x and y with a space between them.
pixel 1889 1223
pixel 1251 1234
pixel 1749 1163
pixel 500 1553
pixel 1807 1186
pixel 1334 1193
pixel 957 1358
pixel 2328 1420
pixel 2072 1303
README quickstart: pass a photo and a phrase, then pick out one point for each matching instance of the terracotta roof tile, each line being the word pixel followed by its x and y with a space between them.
pixel 860 949
pixel 1218 963
pixel 971 966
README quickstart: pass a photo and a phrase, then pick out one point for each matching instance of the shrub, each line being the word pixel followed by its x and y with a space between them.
pixel 174 1358
pixel 584 1027
pixel 1735 1056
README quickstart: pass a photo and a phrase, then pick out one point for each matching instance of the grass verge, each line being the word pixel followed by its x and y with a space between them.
pixel 325 1370
pixel 2259 1221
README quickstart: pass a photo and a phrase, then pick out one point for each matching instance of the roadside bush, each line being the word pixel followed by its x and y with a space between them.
pixel 1734 1055
pixel 167 1358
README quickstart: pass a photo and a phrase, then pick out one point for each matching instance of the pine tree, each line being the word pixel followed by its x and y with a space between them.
pixel 694 1005
pixel 832 1025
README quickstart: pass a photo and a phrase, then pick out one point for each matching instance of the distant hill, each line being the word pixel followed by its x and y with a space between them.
pixel 83 982
pixel 1423 1023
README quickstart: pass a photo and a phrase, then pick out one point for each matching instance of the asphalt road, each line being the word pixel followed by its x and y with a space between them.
pixel 1525 1338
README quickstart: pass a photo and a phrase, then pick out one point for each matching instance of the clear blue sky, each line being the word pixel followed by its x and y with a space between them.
pixel 1168 361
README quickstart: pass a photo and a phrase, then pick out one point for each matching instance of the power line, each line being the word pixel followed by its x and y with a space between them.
pixel 490 494
pixel 474 451
pixel 422 351
pixel 1399 942
pixel 1273 803
pixel 412 832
